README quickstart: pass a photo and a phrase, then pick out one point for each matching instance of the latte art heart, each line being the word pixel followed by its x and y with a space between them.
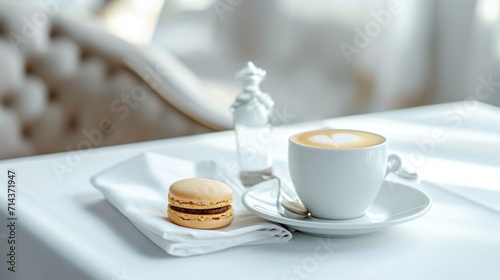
pixel 335 139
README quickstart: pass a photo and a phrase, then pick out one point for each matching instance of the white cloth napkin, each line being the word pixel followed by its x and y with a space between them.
pixel 138 188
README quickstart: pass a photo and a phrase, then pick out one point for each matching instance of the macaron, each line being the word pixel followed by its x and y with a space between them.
pixel 200 203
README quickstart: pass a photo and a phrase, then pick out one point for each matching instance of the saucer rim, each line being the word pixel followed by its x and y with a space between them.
pixel 338 225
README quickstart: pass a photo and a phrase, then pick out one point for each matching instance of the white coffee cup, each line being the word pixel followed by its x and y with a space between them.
pixel 337 173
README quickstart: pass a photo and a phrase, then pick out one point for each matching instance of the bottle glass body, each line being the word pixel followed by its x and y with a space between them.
pixel 254 148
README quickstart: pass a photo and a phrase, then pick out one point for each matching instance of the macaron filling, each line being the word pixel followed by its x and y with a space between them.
pixel 211 211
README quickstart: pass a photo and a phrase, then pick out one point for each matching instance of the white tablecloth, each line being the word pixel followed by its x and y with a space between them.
pixel 66 230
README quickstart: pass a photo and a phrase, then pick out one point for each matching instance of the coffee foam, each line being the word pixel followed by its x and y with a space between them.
pixel 338 139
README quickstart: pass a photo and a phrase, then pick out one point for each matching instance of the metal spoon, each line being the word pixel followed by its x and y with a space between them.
pixel 292 208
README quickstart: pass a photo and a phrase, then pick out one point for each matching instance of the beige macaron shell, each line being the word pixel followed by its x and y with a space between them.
pixel 200 193
pixel 201 221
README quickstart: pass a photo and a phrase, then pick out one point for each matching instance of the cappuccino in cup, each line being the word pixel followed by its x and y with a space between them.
pixel 338 139
pixel 337 173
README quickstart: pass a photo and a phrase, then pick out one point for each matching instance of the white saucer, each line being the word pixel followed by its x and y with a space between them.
pixel 396 203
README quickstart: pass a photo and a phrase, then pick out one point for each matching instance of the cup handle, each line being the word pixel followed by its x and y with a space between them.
pixel 394 163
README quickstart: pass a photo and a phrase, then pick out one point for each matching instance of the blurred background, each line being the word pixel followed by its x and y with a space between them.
pixel 324 58
pixel 409 53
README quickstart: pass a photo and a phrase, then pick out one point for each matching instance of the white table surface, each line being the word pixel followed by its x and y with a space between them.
pixel 66 230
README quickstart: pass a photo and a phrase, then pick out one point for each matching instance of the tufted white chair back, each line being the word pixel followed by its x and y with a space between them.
pixel 66 85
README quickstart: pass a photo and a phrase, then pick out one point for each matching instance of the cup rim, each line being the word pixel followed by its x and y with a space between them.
pixel 340 149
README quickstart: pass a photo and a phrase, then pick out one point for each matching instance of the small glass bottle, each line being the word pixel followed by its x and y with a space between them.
pixel 252 114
